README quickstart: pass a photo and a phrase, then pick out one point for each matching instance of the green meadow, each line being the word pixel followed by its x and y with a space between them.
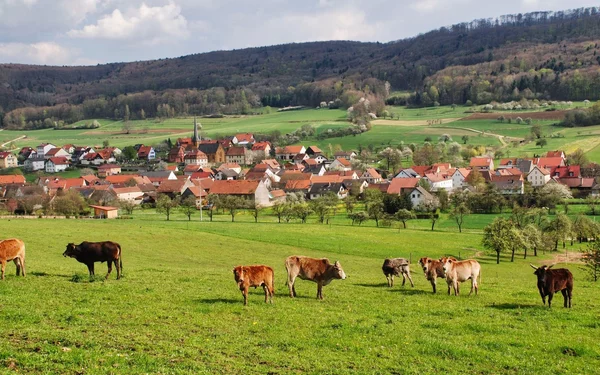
pixel 177 309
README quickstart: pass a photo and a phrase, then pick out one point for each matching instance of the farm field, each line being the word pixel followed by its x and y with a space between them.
pixel 177 310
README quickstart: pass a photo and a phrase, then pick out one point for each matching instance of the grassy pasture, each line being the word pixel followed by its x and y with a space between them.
pixel 177 310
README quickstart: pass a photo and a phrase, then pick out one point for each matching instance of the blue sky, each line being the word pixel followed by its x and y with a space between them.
pixel 84 32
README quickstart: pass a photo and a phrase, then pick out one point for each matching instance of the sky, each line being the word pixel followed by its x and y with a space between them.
pixel 89 32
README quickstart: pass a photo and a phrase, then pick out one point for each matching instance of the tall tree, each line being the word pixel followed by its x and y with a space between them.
pixel 165 205
pixel 458 214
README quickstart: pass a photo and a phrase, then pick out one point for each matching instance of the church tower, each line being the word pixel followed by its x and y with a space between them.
pixel 195 139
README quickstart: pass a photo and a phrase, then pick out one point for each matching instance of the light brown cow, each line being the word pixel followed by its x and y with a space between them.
pixel 313 269
pixel 459 271
pixel 13 249
pixel 247 276
pixel 432 269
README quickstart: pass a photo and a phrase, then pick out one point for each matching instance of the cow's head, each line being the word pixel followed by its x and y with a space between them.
pixel 72 250
pixel 447 263
pixel 238 274
pixel 338 271
pixel 425 263
pixel 540 272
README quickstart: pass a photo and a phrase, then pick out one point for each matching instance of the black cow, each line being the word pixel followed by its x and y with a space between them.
pixel 90 252
pixel 552 281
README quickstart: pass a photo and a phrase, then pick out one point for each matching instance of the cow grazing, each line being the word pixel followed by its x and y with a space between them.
pixel 396 267
pixel 459 271
pixel 13 249
pixel 313 269
pixel 432 269
pixel 247 276
pixel 90 252
pixel 551 281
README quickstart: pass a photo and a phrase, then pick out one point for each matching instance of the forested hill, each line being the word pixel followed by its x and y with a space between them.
pixel 542 54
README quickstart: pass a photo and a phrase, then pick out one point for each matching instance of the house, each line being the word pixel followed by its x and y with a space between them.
pixel 345 154
pixel 56 152
pixel 234 166
pixel 98 158
pixel 549 163
pixel 320 159
pixel 43 148
pixel 236 154
pixel 313 151
pixel 35 163
pixel 289 152
pixel 80 153
pixel 213 150
pixel 57 164
pixel 105 212
pixel 509 185
pixel 253 191
pixel 69 148
pixel 264 147
pixel 176 155
pixel 12 179
pixel 482 163
pixel 197 192
pixel 243 139
pixel 556 154
pixel 439 181
pixel 401 185
pixel 196 157
pixel 127 179
pixel 340 164
pixel 419 195
pixel 408 173
pixel 146 153
pixel 174 188
pixel 131 194
pixel 8 160
pixel 158 177
pixel 274 164
pixel 318 170
pixel 300 158
pixel 459 177
pixel 26 151
pixel 320 189
pixel 227 174
pixel 278 196
pixel 106 170
pixel 565 172
pixel 371 176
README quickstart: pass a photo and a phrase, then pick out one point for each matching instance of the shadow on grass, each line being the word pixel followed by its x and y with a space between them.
pixel 45 274
pixel 376 285
pixel 409 291
pixel 513 306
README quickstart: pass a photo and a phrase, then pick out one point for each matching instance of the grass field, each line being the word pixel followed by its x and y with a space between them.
pixel 177 310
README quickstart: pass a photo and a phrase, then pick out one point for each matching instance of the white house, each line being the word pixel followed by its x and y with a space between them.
pixel 408 173
pixel 131 194
pixel 419 195
pixel 58 164
pixel 56 152
pixel 438 182
pixel 43 148
pixel 197 157
pixel 538 176
pixel 371 176
pixel 340 164
pixel 459 176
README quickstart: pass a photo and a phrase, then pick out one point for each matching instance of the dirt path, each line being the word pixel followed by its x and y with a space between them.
pixel 13 140
pixel 414 122
pixel 502 138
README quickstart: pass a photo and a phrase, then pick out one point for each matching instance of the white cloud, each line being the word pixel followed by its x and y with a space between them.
pixel 148 25
pixel 49 53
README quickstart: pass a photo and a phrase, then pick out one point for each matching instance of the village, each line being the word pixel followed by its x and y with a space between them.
pixel 261 174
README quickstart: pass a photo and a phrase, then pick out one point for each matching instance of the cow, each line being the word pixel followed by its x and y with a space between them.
pixel 13 249
pixel 459 271
pixel 90 252
pixel 247 276
pixel 396 267
pixel 551 281
pixel 432 269
pixel 320 271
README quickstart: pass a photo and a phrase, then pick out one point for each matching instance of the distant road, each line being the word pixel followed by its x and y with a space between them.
pixel 12 140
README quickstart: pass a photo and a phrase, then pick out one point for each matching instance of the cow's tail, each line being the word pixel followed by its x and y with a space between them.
pixel 120 259
pixel 479 277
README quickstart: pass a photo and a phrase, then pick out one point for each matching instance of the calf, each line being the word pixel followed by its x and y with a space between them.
pixel 313 269
pixel 551 281
pixel 396 267
pixel 12 249
pixel 432 269
pixel 459 271
pixel 247 276
pixel 90 252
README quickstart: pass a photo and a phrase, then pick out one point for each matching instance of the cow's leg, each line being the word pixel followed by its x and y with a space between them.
pixel 570 295
pixel 291 281
pixel 18 264
pixel 109 264
pixel 550 295
pixel 434 285
pixel 403 278
pixel 90 267
pixel 410 279
pixel 476 286
pixel 245 294
pixel 449 286
pixel 22 261
pixel 456 287
pixel 472 285
pixel 319 290
pixel 266 289
pixel 564 293
pixel 392 280
pixel 118 268
pixel 3 268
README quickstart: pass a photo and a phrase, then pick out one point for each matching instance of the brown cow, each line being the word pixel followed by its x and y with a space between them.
pixel 459 271
pixel 396 267
pixel 247 276
pixel 432 269
pixel 13 249
pixel 90 252
pixel 313 269
pixel 552 281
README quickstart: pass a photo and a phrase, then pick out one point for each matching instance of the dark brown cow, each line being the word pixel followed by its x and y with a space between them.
pixel 90 252
pixel 247 276
pixel 552 281
pixel 433 270
pixel 396 267
pixel 13 249
pixel 313 269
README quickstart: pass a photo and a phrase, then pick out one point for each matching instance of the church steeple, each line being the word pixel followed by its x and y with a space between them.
pixel 195 139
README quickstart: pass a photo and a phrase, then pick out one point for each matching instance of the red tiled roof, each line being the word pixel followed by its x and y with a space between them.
pixel 5 154
pixel 260 146
pixel 550 163
pixel 197 191
pixel 480 162
pixel 229 166
pixel 277 193
pixel 127 190
pixel 420 169
pixel 109 166
pixel 234 187
pixel 398 184
pixel 344 162
pixel 61 160
pixel 564 172
pixel 195 155
pixel 244 137
pixel 555 154
pixel 12 179
pixel 197 175
pixel 171 186
pixel 236 151
pixel 297 185
pixel 373 173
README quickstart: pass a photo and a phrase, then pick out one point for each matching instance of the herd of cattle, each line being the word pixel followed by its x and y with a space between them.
pixel 321 271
